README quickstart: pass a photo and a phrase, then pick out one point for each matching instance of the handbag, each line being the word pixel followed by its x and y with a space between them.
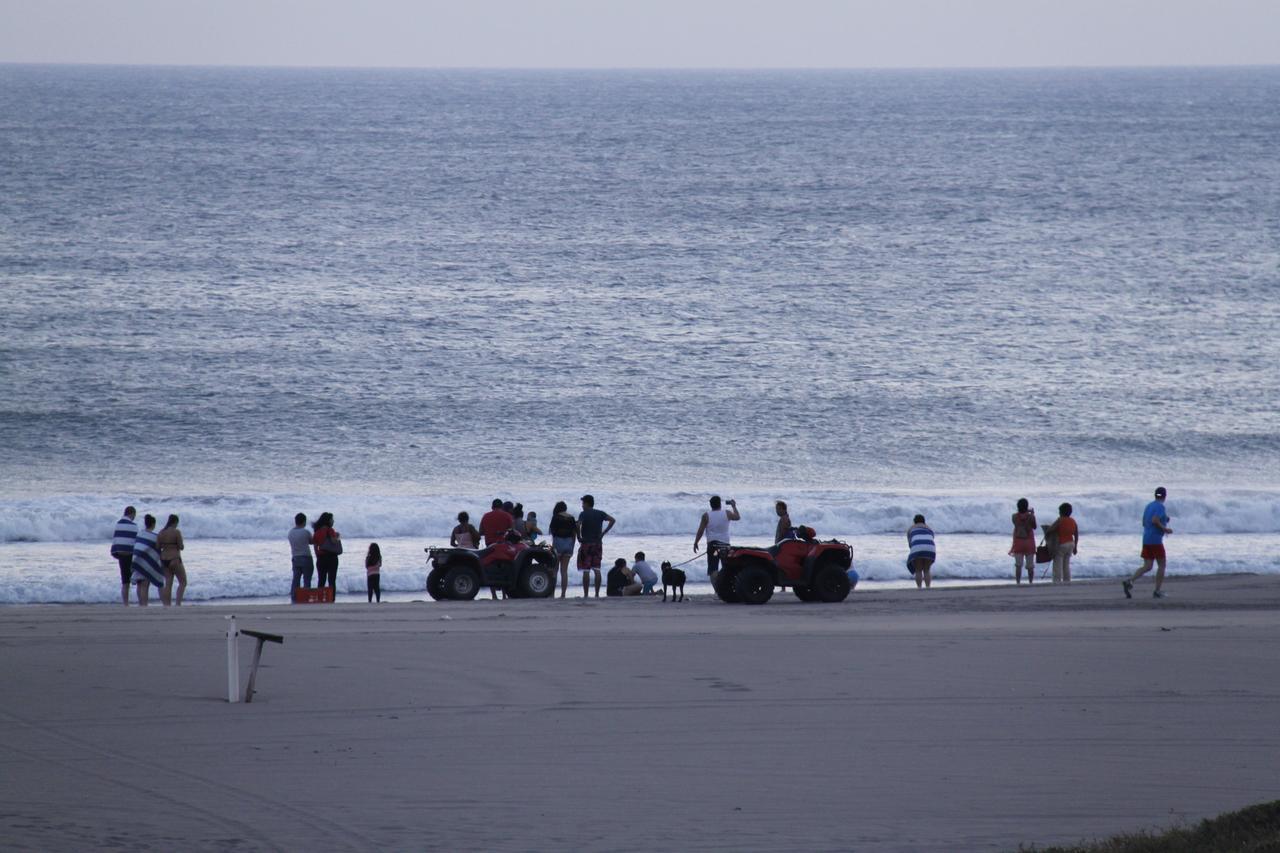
pixel 331 544
pixel 1044 554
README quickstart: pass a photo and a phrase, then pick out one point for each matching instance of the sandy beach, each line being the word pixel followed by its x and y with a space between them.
pixel 959 719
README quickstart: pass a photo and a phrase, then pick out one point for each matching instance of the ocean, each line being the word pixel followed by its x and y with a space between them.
pixel 236 294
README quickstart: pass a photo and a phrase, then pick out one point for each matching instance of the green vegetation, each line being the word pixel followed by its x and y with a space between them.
pixel 1252 830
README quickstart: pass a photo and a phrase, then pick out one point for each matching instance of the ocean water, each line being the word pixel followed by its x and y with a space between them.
pixel 240 293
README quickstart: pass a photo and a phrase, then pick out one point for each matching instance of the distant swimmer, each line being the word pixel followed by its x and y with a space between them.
pixel 122 549
pixel 1155 524
pixel 1067 533
pixel 1023 550
pixel 715 523
pixel 923 552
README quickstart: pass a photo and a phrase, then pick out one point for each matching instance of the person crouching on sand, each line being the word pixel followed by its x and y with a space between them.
pixel 1024 541
pixel 923 552
pixel 373 572
pixel 621 580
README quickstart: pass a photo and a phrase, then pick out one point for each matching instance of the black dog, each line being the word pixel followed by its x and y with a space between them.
pixel 673 578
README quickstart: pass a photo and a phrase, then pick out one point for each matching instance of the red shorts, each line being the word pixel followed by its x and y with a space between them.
pixel 1153 552
pixel 589 554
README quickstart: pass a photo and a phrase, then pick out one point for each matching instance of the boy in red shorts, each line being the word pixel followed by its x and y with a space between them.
pixel 591 531
pixel 1155 524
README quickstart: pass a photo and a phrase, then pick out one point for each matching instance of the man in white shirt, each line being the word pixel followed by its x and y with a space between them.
pixel 715 524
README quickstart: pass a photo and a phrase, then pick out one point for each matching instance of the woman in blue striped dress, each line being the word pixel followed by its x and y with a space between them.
pixel 923 552
pixel 146 561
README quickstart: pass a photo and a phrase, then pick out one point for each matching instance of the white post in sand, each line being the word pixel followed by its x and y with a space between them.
pixel 233 661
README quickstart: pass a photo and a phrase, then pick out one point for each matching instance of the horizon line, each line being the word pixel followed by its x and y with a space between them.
pixel 638 68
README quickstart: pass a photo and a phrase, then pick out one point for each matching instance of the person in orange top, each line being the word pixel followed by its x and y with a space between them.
pixel 1068 533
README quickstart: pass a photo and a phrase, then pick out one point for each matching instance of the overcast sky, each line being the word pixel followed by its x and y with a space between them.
pixel 643 33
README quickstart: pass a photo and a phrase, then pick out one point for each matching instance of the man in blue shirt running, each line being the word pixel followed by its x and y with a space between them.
pixel 1155 524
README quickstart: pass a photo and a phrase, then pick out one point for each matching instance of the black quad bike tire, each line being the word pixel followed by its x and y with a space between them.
pixel 461 583
pixel 804 593
pixel 435 583
pixel 830 583
pixel 753 585
pixel 724 584
pixel 536 581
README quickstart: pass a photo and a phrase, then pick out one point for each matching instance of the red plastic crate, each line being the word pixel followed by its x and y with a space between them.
pixel 317 595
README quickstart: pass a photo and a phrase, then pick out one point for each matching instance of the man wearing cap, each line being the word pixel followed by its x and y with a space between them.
pixel 1155 524
pixel 591 531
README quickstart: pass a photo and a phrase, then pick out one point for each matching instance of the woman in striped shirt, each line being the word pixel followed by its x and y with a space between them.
pixel 923 552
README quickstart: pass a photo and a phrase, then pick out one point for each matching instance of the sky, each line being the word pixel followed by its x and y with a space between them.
pixel 643 33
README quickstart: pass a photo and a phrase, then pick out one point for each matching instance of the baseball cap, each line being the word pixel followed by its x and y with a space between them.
pixel 1160 491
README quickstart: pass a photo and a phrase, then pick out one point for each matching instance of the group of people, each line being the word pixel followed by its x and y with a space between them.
pixel 326 543
pixel 147 558
pixel 1062 542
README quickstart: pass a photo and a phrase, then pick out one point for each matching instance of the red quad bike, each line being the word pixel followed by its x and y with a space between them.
pixel 518 568
pixel 816 571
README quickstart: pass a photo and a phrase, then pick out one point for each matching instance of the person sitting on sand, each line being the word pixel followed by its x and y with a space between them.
pixel 464 534
pixel 621 580
pixel 1023 550
pixel 647 574
pixel 923 552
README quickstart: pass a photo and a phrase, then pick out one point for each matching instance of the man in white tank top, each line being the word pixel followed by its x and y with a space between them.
pixel 716 525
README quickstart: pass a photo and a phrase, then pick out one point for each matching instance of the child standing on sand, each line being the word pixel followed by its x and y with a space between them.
pixel 373 572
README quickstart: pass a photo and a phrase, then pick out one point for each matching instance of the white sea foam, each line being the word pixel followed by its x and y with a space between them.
pixel 91 518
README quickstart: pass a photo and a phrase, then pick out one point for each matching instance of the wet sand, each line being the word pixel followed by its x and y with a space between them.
pixel 957 719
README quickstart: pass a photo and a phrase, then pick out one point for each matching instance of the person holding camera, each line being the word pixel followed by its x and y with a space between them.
pixel 715 524
pixel 1024 541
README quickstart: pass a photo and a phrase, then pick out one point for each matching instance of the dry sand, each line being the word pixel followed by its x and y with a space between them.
pixel 961 719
